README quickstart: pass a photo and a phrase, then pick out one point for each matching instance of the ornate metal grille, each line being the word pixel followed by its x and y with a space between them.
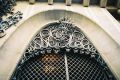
pixel 74 57
pixel 81 67
pixel 43 67
pixel 11 20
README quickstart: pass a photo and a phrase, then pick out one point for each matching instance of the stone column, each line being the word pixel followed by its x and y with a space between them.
pixel 68 2
pixel 103 3
pixel 119 11
pixel 118 3
pixel 31 1
pixel 86 3
pixel 50 2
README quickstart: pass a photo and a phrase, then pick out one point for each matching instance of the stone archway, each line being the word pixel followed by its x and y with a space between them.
pixel 61 51
pixel 16 45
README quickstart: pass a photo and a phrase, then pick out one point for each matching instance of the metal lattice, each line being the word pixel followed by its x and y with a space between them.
pixel 53 67
pixel 61 51
pixel 44 67
pixel 84 68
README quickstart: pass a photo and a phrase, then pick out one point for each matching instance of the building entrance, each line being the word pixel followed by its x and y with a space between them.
pixel 60 51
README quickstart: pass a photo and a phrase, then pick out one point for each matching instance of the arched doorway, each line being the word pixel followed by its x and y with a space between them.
pixel 60 51
pixel 69 66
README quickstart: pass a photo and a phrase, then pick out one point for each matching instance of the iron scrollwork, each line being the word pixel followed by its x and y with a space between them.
pixel 6 6
pixel 59 35
pixel 62 36
pixel 11 20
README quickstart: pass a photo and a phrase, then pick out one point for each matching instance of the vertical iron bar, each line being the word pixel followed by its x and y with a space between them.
pixel 66 67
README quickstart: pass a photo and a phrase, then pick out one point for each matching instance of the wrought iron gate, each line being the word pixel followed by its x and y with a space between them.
pixel 61 67
pixel 61 51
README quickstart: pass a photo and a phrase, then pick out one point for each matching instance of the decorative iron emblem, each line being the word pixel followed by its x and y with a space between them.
pixel 59 35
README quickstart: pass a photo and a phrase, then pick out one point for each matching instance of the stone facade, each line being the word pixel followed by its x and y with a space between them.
pixel 98 25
